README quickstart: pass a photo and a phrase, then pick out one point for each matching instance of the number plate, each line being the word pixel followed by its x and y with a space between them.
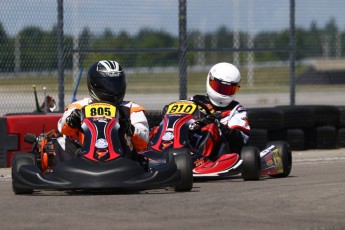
pixel 181 107
pixel 100 110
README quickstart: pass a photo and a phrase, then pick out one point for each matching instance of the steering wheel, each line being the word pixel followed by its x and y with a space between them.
pixel 202 105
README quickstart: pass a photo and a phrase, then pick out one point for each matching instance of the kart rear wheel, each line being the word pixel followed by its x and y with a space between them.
pixel 182 159
pixel 251 163
pixel 285 154
pixel 20 159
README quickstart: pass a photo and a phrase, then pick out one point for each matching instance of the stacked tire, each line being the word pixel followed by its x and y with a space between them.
pixel 341 128
pixel 297 121
pixel 302 126
pixel 311 126
pixel 266 124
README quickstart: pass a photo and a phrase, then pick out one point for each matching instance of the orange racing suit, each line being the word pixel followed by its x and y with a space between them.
pixel 135 112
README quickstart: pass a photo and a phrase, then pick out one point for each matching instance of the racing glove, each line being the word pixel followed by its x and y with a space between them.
pixel 209 119
pixel 74 120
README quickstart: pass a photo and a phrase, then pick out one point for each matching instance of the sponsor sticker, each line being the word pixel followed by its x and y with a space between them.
pixel 168 136
pixel 278 161
pixel 101 143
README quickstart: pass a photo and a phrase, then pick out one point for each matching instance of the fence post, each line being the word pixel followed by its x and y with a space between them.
pixel 292 52
pixel 60 38
pixel 183 48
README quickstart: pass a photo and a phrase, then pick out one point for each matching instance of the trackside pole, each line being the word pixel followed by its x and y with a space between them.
pixel 74 96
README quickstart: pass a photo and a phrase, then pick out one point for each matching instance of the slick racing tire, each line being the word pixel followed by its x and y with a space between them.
pixel 285 154
pixel 20 159
pixel 251 163
pixel 182 159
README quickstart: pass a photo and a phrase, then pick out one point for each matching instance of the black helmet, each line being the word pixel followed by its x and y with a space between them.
pixel 106 81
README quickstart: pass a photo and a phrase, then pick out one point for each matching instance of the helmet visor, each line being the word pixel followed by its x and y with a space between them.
pixel 223 87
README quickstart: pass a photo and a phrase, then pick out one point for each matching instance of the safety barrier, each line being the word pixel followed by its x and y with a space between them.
pixel 303 127
pixel 14 127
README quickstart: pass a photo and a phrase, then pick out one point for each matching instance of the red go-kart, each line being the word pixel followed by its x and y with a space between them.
pixel 174 135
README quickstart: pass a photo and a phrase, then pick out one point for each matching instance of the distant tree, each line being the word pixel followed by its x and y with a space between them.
pixel 330 33
pixel 107 33
pixel 311 40
pixel 266 40
pixel 106 44
pixel 38 48
pixel 224 38
pixel 3 35
pixel 148 38
pixel 30 45
pixel 84 44
pixel 7 51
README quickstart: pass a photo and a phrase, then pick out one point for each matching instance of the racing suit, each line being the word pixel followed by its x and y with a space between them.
pixel 67 146
pixel 231 127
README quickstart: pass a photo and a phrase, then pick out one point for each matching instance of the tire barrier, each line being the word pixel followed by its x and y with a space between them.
pixel 341 116
pixel 326 137
pixel 297 117
pixel 258 138
pixel 325 115
pixel 341 138
pixel 265 118
pixel 296 139
pixel 303 127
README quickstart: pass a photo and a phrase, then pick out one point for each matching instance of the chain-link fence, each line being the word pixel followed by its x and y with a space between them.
pixel 50 44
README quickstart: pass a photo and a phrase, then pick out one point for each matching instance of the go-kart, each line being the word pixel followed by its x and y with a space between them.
pixel 173 134
pixel 102 162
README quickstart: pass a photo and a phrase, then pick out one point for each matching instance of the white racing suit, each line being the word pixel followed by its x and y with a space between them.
pixel 66 147
pixel 233 128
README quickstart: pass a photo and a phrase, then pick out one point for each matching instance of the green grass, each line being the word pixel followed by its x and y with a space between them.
pixel 273 79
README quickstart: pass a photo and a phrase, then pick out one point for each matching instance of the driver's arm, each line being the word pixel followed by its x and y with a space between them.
pixel 63 127
pixel 237 129
pixel 138 119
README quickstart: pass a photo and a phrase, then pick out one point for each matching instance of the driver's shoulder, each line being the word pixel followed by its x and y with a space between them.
pixel 79 104
pixel 132 106
pixel 237 106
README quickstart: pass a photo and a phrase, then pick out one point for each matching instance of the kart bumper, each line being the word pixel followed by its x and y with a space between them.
pixel 83 174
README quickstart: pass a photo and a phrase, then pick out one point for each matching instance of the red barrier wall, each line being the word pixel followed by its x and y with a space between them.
pixel 34 123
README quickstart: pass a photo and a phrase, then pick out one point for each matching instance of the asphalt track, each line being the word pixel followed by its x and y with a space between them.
pixel 312 197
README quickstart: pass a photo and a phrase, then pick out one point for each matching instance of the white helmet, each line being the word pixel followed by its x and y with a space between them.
pixel 223 82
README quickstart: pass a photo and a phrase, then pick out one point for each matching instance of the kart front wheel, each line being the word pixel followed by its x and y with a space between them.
pixel 286 156
pixel 20 159
pixel 182 159
pixel 251 163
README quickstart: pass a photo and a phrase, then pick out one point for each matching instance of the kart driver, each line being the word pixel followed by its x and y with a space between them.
pixel 228 118
pixel 106 81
